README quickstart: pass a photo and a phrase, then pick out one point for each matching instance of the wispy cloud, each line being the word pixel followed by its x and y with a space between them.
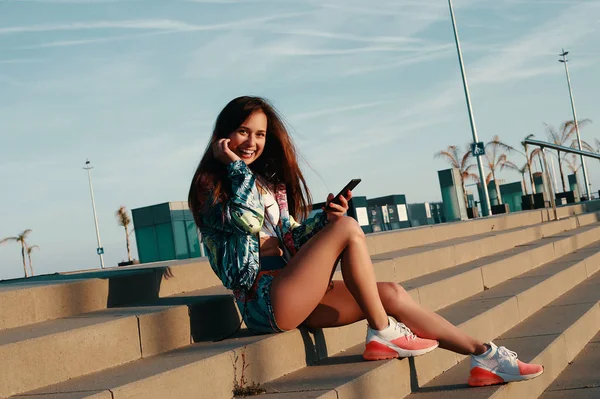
pixel 422 13
pixel 346 36
pixel 108 39
pixel 158 24
pixel 70 1
pixel 150 24
pixel 21 61
pixel 283 50
pixel 336 110
pixel 524 58
pixel 402 61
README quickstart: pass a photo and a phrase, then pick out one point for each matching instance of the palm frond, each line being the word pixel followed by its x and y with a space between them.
pixel 31 248
pixel 122 215
pixel 8 239
pixel 465 158
pixel 586 146
pixel 510 165
pixel 535 153
pixel 450 154
pixel 553 135
pixel 496 142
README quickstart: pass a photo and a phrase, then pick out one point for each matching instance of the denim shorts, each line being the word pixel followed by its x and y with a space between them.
pixel 255 304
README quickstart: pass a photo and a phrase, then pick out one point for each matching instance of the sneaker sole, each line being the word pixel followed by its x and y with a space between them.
pixel 481 377
pixel 377 351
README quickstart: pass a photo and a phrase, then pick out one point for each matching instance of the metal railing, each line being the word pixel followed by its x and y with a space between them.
pixel 543 145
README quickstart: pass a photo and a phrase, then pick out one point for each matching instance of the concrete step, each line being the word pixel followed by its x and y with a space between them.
pixel 272 356
pixel 53 296
pixel 485 316
pixel 414 262
pixel 424 235
pixel 53 351
pixel 552 337
pixel 581 378
pixel 34 302
pixel 214 313
pixel 59 295
pixel 439 289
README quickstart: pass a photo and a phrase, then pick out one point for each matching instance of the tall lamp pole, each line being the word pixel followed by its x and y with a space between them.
pixel 88 166
pixel 488 209
pixel 583 166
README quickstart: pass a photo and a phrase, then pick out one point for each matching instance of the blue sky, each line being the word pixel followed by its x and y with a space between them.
pixel 370 91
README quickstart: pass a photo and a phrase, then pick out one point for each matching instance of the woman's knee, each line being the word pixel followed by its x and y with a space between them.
pixel 349 226
pixel 392 292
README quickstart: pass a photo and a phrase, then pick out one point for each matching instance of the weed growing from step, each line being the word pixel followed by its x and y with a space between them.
pixel 241 388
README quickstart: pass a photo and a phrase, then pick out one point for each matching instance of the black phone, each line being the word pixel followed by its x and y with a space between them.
pixel 348 187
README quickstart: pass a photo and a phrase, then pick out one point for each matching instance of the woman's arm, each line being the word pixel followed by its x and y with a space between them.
pixel 244 211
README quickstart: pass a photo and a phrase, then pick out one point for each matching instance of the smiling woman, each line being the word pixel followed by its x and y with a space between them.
pixel 248 141
pixel 244 197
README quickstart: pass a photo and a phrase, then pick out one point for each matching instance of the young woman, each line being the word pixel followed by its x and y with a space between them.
pixel 245 196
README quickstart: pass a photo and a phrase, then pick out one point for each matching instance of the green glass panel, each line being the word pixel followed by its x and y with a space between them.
pixel 180 236
pixel 161 213
pixel 193 241
pixel 164 239
pixel 146 244
pixel 450 203
pixel 178 215
pixel 142 217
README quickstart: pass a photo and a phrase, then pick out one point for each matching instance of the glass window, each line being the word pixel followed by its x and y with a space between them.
pixel 193 241
pixel 146 244
pixel 181 246
pixel 164 239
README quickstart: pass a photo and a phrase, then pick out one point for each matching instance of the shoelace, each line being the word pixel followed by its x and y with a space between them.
pixel 405 331
pixel 507 352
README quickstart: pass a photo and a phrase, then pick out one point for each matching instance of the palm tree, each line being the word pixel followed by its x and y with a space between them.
pixel 530 157
pixel 124 220
pixel 460 161
pixel 565 139
pixel 522 170
pixel 20 239
pixel 496 158
pixel 29 251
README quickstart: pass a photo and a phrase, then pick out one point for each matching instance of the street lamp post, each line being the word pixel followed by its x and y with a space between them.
pixel 583 166
pixel 486 212
pixel 99 250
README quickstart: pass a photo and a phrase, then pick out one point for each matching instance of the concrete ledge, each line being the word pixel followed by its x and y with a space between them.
pixel 61 349
pixel 30 303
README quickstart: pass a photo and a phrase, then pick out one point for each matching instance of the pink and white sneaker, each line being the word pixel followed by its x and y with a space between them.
pixel 395 341
pixel 499 365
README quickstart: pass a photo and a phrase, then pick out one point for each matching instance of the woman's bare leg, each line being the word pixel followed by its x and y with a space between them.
pixel 338 308
pixel 300 286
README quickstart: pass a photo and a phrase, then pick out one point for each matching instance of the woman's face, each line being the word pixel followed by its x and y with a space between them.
pixel 248 140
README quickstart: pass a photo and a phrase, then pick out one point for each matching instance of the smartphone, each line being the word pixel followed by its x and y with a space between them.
pixel 348 187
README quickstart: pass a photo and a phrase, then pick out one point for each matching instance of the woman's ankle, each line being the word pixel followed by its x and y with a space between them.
pixel 480 349
pixel 378 326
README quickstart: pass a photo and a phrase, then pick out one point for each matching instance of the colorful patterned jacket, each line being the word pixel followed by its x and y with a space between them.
pixel 230 230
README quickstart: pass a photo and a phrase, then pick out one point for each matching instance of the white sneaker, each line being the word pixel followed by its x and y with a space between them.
pixel 499 365
pixel 395 341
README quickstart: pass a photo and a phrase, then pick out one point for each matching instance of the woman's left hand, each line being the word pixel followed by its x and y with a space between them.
pixel 336 211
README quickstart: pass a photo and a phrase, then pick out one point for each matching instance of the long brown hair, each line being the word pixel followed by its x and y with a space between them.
pixel 278 162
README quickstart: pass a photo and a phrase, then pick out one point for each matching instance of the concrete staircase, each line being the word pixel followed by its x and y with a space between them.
pixel 524 280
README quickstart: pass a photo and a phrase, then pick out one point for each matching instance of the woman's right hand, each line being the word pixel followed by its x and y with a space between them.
pixel 223 153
